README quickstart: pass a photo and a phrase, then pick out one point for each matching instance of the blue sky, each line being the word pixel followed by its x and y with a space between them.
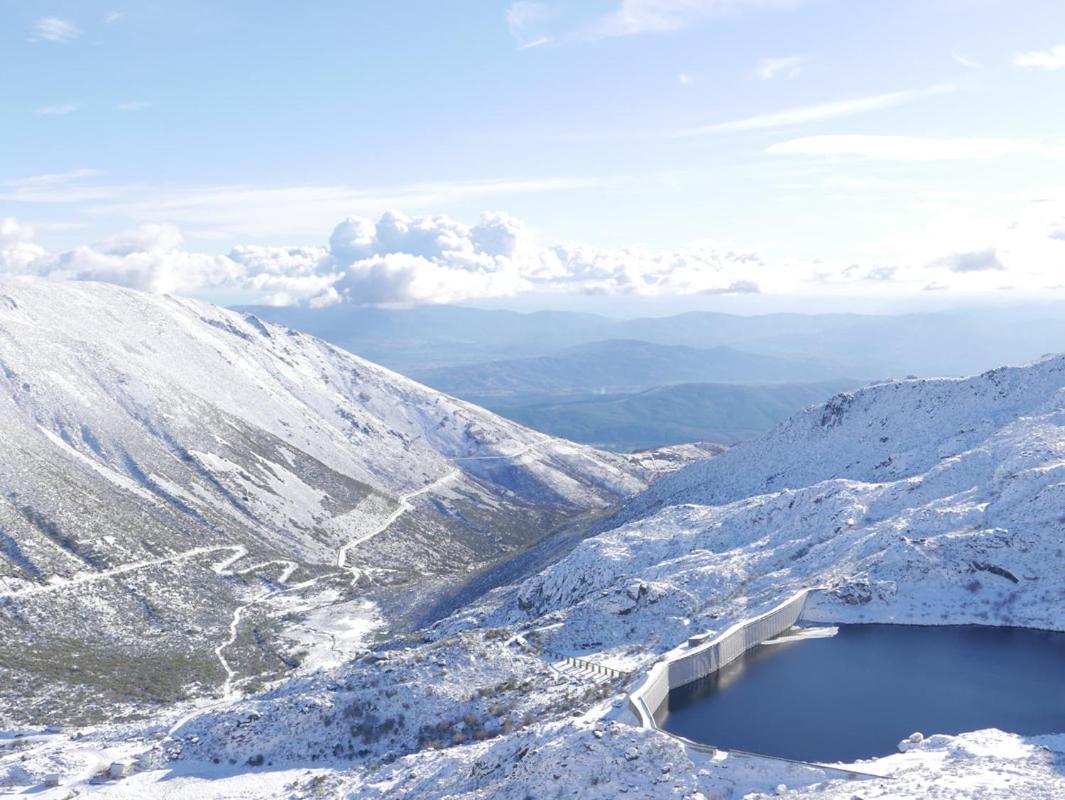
pixel 778 143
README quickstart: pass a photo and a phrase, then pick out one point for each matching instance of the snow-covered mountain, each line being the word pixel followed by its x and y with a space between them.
pixel 880 433
pixel 937 501
pixel 916 501
pixel 168 462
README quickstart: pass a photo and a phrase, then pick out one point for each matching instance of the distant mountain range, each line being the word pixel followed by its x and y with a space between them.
pixel 859 346
pixel 688 412
pixel 619 365
pixel 590 378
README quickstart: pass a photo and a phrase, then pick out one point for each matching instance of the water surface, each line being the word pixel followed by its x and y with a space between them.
pixel 856 694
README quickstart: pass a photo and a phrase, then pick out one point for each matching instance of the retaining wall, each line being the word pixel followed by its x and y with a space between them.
pixel 686 665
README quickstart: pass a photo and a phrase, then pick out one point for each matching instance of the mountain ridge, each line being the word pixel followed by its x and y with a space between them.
pixel 166 433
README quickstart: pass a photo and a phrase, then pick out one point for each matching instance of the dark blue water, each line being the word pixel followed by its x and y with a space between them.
pixel 856 694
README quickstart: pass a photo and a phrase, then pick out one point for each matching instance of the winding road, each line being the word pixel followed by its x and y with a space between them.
pixel 224 567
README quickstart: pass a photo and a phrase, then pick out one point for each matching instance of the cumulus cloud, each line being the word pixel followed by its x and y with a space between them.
pixel 973 261
pixel 427 259
pixel 736 287
pixel 1052 59
pixel 17 252
pixel 403 260
pixel 150 258
pixel 394 260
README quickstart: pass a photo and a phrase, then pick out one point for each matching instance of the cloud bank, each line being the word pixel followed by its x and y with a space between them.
pixel 403 260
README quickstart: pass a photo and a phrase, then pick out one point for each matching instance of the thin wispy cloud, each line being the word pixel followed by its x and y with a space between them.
pixel 57 110
pixel 54 178
pixel 684 79
pixel 819 112
pixel 964 59
pixel 633 17
pixel 912 148
pixel 133 105
pixel 790 67
pixel 72 186
pixel 55 29
pixel 533 23
pixel 268 210
pixel 523 20
pixel 113 17
pixel 1048 60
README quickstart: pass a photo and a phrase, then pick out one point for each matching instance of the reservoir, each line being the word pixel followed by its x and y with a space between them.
pixel 857 694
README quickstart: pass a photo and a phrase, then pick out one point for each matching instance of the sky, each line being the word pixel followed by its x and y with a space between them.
pixel 761 153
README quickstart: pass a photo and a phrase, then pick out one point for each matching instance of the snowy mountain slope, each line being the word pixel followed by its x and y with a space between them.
pixel 940 501
pixel 962 524
pixel 168 463
pixel 879 433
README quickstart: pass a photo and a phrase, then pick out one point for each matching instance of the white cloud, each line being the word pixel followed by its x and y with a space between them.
pixel 822 111
pixel 684 79
pixel 401 260
pixel 524 19
pixel 57 110
pixel 58 187
pixel 533 24
pixel 54 29
pixel 662 16
pixel 971 261
pixel 395 260
pixel 964 59
pixel 428 259
pixel 789 67
pixel 911 148
pixel 283 210
pixel 112 17
pixel 1051 59
pixel 17 252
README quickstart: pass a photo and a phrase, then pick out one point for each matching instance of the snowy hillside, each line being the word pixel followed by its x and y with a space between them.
pixel 923 501
pixel 172 466
pixel 880 433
